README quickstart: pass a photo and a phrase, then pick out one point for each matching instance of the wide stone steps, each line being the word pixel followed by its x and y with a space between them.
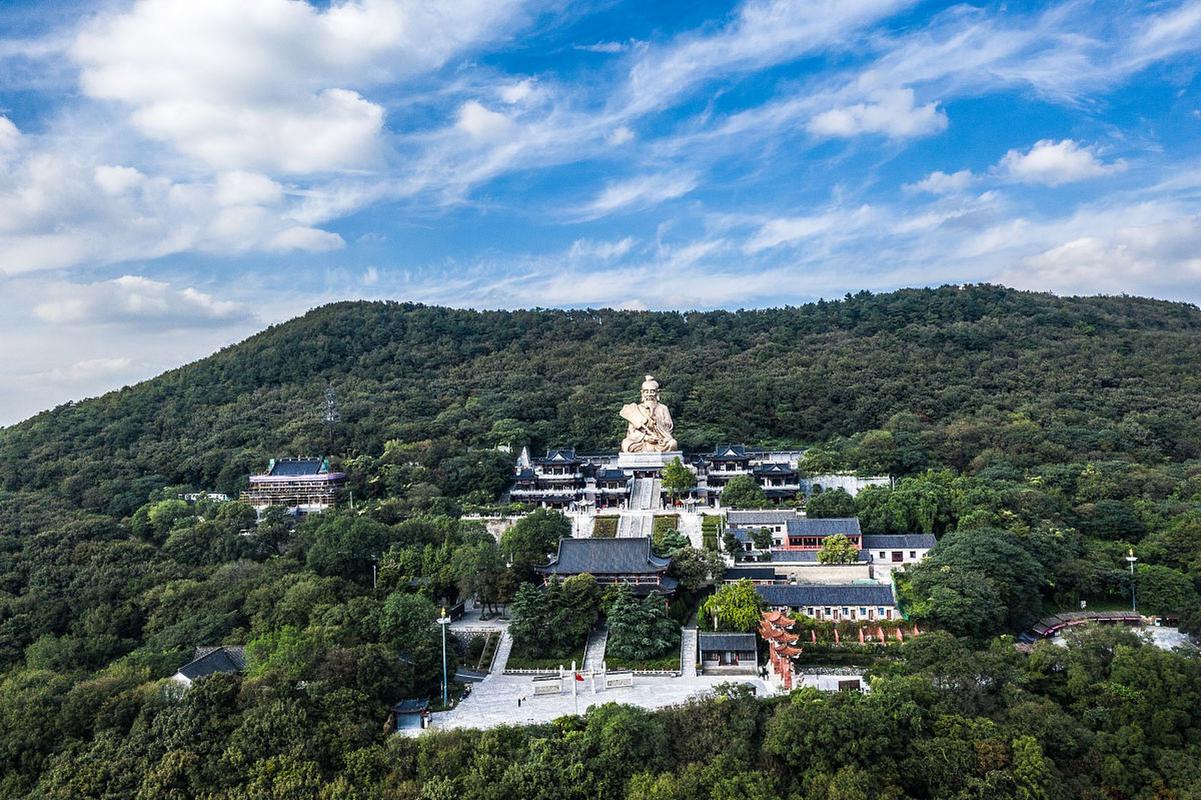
pixel 688 646
pixel 502 653
pixel 594 651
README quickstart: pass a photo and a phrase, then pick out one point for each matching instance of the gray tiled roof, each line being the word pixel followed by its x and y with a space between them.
pixel 817 595
pixel 917 541
pixel 774 468
pixel 730 452
pixel 735 642
pixel 805 526
pixel 808 556
pixel 562 455
pixel 755 573
pixel 295 467
pixel 750 518
pixel 628 556
pixel 211 660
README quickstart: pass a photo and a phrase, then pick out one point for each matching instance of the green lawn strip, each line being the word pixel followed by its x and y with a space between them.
pixel 604 527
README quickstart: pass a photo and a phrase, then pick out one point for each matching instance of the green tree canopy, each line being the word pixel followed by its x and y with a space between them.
pixel 677 478
pixel 736 606
pixel 830 504
pixel 838 549
pixel 533 539
pixel 742 491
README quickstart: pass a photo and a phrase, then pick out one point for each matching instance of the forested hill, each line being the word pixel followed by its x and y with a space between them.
pixel 982 366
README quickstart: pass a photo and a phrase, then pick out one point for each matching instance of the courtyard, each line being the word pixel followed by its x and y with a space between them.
pixel 493 701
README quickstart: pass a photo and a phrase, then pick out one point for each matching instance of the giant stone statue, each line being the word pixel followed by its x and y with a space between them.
pixel 649 423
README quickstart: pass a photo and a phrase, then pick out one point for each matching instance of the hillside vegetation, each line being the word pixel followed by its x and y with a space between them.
pixel 1040 438
pixel 975 369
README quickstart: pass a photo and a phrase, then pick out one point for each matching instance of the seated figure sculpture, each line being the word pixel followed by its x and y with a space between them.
pixel 649 423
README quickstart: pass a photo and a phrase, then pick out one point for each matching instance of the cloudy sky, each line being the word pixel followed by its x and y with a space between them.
pixel 176 175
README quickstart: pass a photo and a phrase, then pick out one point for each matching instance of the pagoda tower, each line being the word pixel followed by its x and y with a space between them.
pixel 776 629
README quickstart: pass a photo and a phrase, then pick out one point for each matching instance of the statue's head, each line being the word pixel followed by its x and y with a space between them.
pixel 650 390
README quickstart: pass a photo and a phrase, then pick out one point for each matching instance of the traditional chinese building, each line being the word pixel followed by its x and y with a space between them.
pixel 630 561
pixel 898 549
pixel 565 478
pixel 803 533
pixel 304 485
pixel 556 481
pixel 211 660
pixel 856 603
pixel 776 629
pixel 611 487
pixel 728 653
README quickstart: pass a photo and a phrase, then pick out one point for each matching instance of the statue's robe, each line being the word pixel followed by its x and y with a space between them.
pixel 648 429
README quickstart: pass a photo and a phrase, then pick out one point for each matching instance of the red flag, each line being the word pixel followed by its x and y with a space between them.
pixel 579 677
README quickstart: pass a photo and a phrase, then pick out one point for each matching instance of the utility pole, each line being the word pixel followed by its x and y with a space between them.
pixel 1131 558
pixel 444 620
pixel 332 415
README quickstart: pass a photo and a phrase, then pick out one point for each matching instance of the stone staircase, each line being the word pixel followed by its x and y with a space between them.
pixel 502 654
pixel 638 519
pixel 594 651
pixel 688 647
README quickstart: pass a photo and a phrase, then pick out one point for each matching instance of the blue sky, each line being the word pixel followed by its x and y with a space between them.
pixel 175 176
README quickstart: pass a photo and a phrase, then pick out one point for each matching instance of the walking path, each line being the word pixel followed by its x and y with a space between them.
pixel 594 651
pixel 502 654
pixel 639 518
pixel 688 645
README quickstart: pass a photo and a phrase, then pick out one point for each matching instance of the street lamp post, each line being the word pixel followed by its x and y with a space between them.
pixel 1131 558
pixel 716 613
pixel 444 620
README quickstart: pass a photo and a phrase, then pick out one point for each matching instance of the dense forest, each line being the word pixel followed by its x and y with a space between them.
pixel 976 370
pixel 1040 438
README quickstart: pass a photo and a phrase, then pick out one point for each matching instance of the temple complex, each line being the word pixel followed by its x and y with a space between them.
pixel 628 561
pixel 300 485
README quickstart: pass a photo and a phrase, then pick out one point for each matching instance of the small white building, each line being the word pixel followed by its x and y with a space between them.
pixel 898 549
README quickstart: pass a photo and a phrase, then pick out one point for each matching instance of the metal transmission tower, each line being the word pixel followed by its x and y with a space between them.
pixel 332 415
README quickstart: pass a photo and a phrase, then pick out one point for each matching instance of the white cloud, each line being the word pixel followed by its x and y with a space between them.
pixel 516 92
pixel 1054 163
pixel 482 123
pixel 604 251
pixel 56 211
pixel 603 47
pixel 115 180
pixel 763 33
pixel 10 136
pixel 789 230
pixel 135 299
pixel 247 189
pixel 640 192
pixel 620 135
pixel 1153 256
pixel 891 113
pixel 90 369
pixel 268 86
pixel 313 240
pixel 941 183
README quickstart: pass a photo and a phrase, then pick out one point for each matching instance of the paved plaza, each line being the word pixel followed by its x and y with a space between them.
pixel 494 701
pixel 1163 637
